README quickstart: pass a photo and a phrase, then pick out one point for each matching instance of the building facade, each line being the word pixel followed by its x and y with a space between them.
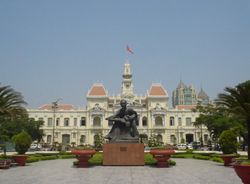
pixel 63 123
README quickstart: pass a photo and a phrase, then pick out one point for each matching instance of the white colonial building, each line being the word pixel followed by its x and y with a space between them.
pixel 63 123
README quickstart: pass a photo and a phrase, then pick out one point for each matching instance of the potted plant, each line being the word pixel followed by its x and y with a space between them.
pixel 242 169
pixel 228 144
pixel 83 154
pixel 22 143
pixel 162 155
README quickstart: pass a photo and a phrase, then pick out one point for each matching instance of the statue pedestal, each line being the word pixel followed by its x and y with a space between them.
pixel 123 154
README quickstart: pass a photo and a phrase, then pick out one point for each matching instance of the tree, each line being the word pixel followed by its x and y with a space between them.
pixel 98 141
pixel 11 108
pixel 11 104
pixel 216 119
pixel 32 127
pixel 236 100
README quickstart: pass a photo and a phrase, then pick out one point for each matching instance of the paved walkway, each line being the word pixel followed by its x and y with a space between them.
pixel 62 172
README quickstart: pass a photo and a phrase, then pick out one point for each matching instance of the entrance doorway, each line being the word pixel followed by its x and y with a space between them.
pixel 65 139
pixel 189 138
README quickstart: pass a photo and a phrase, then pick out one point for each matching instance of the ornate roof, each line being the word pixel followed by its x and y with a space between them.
pixel 181 85
pixel 202 94
pixel 157 90
pixel 97 90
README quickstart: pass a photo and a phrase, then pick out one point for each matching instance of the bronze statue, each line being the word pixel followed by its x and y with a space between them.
pixel 124 127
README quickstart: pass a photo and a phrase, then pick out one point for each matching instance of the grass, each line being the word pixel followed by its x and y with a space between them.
pixel 148 158
pixel 199 156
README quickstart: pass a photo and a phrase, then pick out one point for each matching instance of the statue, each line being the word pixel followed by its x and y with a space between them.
pixel 124 127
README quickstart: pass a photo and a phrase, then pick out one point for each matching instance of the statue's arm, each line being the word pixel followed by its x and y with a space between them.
pixel 113 116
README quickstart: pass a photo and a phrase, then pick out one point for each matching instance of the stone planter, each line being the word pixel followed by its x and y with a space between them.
pixel 20 159
pixel 243 171
pixel 5 164
pixel 83 156
pixel 162 156
pixel 228 159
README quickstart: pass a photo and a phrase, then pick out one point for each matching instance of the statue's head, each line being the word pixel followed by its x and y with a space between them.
pixel 123 103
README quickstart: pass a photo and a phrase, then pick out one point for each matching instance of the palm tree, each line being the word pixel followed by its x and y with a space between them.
pixel 11 103
pixel 237 102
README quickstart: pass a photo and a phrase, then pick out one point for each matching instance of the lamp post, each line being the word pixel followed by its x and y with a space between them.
pixel 201 137
pixel 54 107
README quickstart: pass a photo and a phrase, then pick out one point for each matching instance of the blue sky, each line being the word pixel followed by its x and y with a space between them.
pixel 58 48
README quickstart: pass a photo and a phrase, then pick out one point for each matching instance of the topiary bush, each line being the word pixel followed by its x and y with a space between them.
pixel 228 142
pixel 22 142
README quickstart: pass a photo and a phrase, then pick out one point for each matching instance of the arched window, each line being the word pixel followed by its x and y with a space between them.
pixel 144 121
pixel 158 121
pixel 97 121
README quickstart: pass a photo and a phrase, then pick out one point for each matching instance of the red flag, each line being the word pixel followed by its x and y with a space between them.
pixel 130 50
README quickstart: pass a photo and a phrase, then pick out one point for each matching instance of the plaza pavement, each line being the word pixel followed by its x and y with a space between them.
pixel 186 171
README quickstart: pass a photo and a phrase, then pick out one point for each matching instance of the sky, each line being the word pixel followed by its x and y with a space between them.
pixel 55 49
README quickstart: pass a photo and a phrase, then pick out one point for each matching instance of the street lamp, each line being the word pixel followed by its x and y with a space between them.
pixel 54 107
pixel 201 137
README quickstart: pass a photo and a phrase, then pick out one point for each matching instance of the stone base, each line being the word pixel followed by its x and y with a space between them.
pixel 123 154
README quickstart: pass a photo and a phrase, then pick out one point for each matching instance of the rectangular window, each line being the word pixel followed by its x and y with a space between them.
pixel 66 121
pixel 173 139
pixel 49 122
pixel 179 122
pixel 205 138
pixel 188 122
pixel 75 121
pixel 83 121
pixel 171 121
pixel 49 139
pixel 57 121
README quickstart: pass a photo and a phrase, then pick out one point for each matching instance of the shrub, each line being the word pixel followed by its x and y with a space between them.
pixel 154 142
pixel 52 157
pixel 98 141
pixel 201 157
pixel 246 162
pixel 228 142
pixel 171 162
pixel 66 156
pixel 22 142
pixel 217 159
pixel 96 159
pixel 32 159
pixel 149 159
pixel 64 153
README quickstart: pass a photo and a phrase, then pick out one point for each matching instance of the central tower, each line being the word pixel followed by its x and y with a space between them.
pixel 127 85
